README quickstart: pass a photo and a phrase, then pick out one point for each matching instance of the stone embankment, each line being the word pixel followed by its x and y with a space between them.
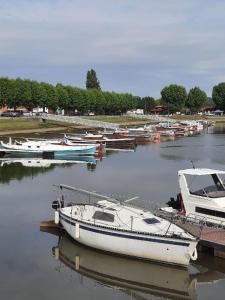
pixel 155 118
pixel 82 121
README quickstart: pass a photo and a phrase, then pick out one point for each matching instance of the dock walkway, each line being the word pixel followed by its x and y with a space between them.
pixel 211 236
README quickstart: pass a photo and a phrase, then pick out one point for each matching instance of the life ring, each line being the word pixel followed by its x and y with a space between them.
pixel 194 255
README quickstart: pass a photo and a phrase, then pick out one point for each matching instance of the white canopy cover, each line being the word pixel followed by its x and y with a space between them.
pixel 200 172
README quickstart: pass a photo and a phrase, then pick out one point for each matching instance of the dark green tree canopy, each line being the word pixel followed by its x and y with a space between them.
pixel 6 90
pixel 218 95
pixel 147 103
pixel 196 99
pixel 92 81
pixel 62 96
pixel 174 96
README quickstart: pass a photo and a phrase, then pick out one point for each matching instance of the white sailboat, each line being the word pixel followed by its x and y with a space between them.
pixel 117 227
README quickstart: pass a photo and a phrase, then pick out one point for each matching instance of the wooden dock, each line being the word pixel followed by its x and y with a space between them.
pixel 211 239
pixel 211 236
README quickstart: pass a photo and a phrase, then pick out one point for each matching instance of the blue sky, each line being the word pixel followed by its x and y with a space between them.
pixel 134 46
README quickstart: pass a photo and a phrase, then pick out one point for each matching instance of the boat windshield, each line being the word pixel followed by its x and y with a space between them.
pixel 206 186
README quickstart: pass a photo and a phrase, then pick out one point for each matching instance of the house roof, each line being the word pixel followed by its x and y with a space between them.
pixel 200 172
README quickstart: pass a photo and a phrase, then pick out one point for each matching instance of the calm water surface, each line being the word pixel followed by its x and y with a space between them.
pixel 39 265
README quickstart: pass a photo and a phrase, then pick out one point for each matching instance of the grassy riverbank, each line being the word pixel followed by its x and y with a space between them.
pixel 217 119
pixel 17 125
pixel 28 124
pixel 128 120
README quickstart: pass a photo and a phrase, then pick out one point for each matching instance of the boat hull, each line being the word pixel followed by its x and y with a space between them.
pixel 56 149
pixel 143 246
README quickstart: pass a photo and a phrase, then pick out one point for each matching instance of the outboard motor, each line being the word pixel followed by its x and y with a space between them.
pixel 175 204
pixel 56 204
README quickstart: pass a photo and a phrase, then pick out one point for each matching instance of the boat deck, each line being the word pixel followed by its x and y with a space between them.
pixel 123 218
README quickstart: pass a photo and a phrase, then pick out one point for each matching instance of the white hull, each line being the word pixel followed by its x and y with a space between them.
pixel 40 147
pixel 144 246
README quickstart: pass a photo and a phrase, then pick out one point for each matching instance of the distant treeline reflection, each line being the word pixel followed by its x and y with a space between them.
pixel 17 171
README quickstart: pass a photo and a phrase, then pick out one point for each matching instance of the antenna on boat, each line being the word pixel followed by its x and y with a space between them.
pixel 192 164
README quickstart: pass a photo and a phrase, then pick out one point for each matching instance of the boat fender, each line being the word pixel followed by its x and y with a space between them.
pixel 77 262
pixel 56 217
pixel 56 253
pixel 77 230
pixel 194 255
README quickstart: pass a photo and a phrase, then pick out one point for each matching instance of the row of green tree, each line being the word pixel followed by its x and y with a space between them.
pixel 175 97
pixel 31 94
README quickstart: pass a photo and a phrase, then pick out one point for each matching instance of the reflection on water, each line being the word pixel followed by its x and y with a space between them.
pixel 135 277
pixel 208 146
pixel 218 129
pixel 151 173
pixel 20 167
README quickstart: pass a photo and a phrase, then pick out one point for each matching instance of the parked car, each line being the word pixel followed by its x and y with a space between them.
pixel 6 114
pixel 9 113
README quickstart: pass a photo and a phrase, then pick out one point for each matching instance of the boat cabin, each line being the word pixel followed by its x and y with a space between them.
pixel 203 193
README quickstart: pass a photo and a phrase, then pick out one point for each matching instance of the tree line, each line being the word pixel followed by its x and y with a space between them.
pixel 175 98
pixel 31 94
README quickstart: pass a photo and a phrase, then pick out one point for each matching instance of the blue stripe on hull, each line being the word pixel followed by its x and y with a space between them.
pixel 89 151
pixel 116 234
pixel 77 152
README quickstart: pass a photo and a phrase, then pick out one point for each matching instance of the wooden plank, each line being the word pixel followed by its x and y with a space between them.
pixel 219 253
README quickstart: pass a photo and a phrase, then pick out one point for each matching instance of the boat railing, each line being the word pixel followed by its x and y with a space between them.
pixel 206 221
pixel 194 219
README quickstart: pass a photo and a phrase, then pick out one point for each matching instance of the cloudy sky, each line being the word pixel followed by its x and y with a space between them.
pixel 136 46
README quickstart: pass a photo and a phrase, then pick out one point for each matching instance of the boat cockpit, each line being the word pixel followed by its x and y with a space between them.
pixel 217 190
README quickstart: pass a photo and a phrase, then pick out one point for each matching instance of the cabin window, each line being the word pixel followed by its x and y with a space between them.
pixel 151 221
pixel 210 212
pixel 29 146
pixel 38 146
pixel 103 216
pixel 205 186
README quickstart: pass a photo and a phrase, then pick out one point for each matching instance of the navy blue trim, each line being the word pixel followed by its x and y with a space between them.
pixel 126 235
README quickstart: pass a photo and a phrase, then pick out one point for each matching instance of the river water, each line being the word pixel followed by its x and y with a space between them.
pixel 39 265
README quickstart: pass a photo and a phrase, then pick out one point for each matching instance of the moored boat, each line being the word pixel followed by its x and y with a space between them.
pixel 140 137
pixel 108 141
pixel 39 147
pixel 117 227
pixel 203 201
